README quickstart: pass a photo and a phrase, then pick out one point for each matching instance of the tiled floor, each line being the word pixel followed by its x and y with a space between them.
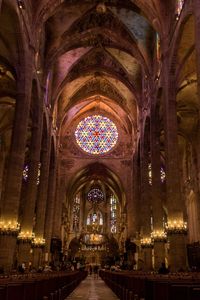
pixel 92 289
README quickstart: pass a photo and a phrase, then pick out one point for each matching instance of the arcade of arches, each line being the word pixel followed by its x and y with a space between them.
pixel 99 132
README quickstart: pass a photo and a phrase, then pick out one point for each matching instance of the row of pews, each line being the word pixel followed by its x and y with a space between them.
pixel 135 285
pixel 44 286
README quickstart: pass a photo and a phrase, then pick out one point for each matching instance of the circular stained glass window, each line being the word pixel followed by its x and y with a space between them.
pixel 95 195
pixel 96 134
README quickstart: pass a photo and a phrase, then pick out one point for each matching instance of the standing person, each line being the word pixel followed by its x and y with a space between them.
pixel 96 268
pixel 90 270
pixel 163 269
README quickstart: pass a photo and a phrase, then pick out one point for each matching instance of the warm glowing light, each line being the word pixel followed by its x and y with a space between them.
pixel 38 242
pixel 26 236
pixel 159 235
pixel 9 227
pixel 176 226
pixel 146 242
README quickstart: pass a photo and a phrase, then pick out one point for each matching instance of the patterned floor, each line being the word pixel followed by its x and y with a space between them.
pixel 92 289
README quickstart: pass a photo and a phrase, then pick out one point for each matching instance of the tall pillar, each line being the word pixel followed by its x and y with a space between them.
pixel 26 234
pixel 60 195
pixel 145 209
pixel 39 242
pixel 50 207
pixel 2 165
pixel 11 197
pixel 196 4
pixel 177 252
pixel 132 199
pixel 158 233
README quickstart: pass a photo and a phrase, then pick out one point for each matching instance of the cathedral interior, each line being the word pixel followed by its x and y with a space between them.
pixel 99 133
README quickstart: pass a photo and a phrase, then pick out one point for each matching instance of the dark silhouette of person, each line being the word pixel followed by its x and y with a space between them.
pixel 163 269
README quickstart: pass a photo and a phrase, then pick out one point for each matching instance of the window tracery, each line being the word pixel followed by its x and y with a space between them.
pixel 76 212
pixel 25 173
pixel 179 8
pixel 113 214
pixel 96 134
pixel 95 195
pixel 162 174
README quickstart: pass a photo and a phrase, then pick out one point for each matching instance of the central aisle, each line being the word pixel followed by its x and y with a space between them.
pixel 92 289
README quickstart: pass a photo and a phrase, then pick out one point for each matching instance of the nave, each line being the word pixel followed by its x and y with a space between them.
pixel 99 138
pixel 92 289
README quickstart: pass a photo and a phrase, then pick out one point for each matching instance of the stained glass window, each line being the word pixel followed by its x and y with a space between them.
pixel 96 134
pixel 113 214
pixel 162 174
pixel 95 195
pixel 157 46
pixel 95 218
pixel 26 171
pixel 76 212
pixel 179 6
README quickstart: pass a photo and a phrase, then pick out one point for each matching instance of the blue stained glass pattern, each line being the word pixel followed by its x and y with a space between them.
pixel 96 134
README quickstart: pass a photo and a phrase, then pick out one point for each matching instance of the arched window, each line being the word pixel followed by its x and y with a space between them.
pixel 26 171
pixel 95 195
pixel 76 212
pixel 157 46
pixel 96 134
pixel 179 7
pixel 162 174
pixel 113 214
pixel 95 218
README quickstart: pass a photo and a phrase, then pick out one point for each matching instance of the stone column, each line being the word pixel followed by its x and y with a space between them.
pixel 177 254
pixel 26 233
pixel 60 195
pixel 196 4
pixel 42 201
pixel 157 209
pixel 132 197
pixel 50 207
pixel 2 165
pixel 11 195
pixel 145 210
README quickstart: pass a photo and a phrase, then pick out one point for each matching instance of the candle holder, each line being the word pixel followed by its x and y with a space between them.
pixel 38 243
pixel 176 227
pixel 25 236
pixel 146 243
pixel 9 227
pixel 159 236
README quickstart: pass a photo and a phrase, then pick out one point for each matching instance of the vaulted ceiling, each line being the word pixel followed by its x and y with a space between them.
pixel 96 55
